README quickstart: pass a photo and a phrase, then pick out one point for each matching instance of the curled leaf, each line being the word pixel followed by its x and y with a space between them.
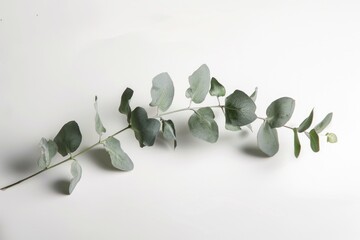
pixel 314 140
pixel 119 159
pixel 99 127
pixel 202 125
pixel 145 129
pixel 125 103
pixel 69 138
pixel 267 139
pixel 217 89
pixel 324 123
pixel 48 151
pixel 168 130
pixel 306 123
pixel 239 109
pixel 162 91
pixel 76 172
pixel 280 111
pixel 199 84
pixel 331 137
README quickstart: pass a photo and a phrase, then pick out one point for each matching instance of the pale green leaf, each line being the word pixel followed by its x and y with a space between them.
pixel 331 137
pixel 168 130
pixel 280 111
pixel 69 138
pixel 306 123
pixel 314 140
pixel 253 96
pixel 239 109
pixel 267 139
pixel 145 129
pixel 162 91
pixel 125 103
pixel 324 123
pixel 202 125
pixel 232 127
pixel 297 145
pixel 76 172
pixel 48 151
pixel 199 84
pixel 99 127
pixel 119 159
pixel 217 89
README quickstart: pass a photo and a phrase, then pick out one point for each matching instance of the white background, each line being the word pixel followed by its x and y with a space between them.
pixel 55 56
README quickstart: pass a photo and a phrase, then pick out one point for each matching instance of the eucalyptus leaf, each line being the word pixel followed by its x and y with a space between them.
pixel 217 89
pixel 297 145
pixel 48 151
pixel 253 96
pixel 168 130
pixel 125 103
pixel 76 172
pixel 162 91
pixel 99 127
pixel 280 111
pixel 267 139
pixel 145 129
pixel 324 123
pixel 199 84
pixel 306 123
pixel 119 159
pixel 69 138
pixel 202 125
pixel 232 127
pixel 314 140
pixel 239 109
pixel 331 137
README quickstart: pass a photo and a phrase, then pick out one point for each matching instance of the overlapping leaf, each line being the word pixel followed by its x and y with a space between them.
pixel 145 129
pixel 267 139
pixel 69 138
pixel 48 151
pixel 202 125
pixel 199 84
pixel 162 91
pixel 168 130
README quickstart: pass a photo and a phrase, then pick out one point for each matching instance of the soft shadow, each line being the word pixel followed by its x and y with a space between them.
pixel 253 150
pixel 61 186
pixel 23 162
pixel 101 159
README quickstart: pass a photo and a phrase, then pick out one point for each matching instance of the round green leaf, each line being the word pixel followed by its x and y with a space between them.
pixel 267 139
pixel 306 123
pixel 125 103
pixel 203 126
pixel 239 109
pixel 119 159
pixel 199 84
pixel 331 137
pixel 314 140
pixel 145 129
pixel 324 123
pixel 162 91
pixel 280 111
pixel 297 145
pixel 69 138
pixel 76 172
pixel 217 89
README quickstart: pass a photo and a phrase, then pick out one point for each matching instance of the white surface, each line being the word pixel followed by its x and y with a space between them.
pixel 56 55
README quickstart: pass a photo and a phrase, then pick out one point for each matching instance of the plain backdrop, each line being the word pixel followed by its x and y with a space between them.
pixel 55 56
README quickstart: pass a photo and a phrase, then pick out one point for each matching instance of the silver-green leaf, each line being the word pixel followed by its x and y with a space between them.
pixel 217 89
pixel 162 91
pixel 331 137
pixel 168 130
pixel 280 111
pixel 76 172
pixel 239 109
pixel 253 96
pixel 99 127
pixel 202 125
pixel 267 139
pixel 324 123
pixel 306 123
pixel 199 84
pixel 48 151
pixel 119 159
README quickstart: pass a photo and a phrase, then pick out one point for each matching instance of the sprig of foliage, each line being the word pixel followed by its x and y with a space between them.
pixel 238 107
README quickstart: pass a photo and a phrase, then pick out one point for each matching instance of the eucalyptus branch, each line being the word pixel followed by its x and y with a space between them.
pixel 238 108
